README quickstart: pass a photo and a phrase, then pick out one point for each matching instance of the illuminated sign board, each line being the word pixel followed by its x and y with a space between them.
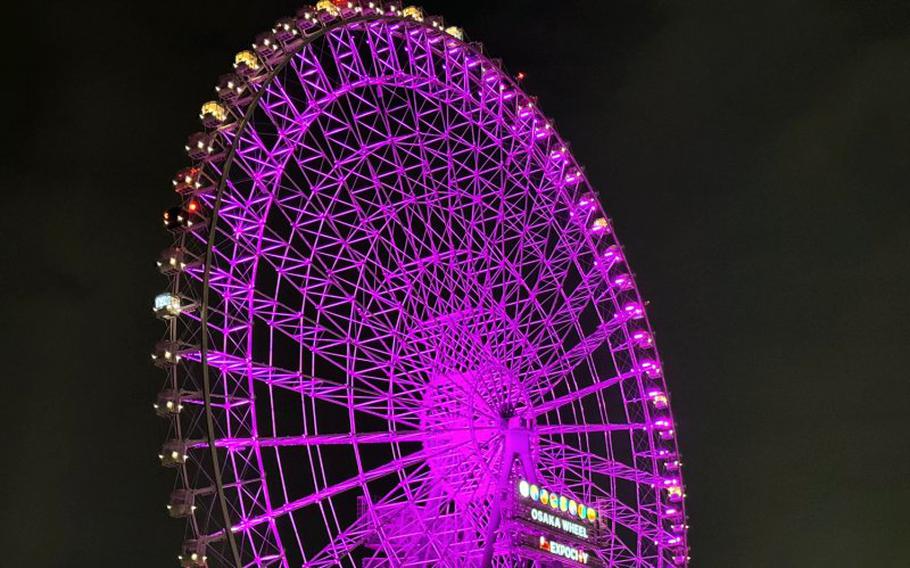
pixel 565 525
pixel 566 551
pixel 551 524
pixel 556 550
pixel 553 508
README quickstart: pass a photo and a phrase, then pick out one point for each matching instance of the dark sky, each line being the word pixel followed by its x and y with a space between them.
pixel 755 157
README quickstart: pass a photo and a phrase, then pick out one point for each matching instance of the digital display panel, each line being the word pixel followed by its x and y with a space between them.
pixel 552 524
pixel 550 549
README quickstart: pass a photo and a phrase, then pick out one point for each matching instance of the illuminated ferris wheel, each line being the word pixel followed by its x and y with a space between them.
pixel 400 329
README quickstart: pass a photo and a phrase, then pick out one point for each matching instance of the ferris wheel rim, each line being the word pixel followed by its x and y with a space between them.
pixel 249 112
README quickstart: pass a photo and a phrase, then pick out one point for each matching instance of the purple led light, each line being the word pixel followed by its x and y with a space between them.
pixel 650 368
pixel 642 339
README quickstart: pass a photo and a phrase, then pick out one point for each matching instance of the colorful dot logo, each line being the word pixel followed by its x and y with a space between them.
pixel 558 502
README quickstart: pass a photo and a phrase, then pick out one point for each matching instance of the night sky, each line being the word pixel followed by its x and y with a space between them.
pixel 754 155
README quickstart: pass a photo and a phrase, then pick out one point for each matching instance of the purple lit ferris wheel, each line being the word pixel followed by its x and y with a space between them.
pixel 400 329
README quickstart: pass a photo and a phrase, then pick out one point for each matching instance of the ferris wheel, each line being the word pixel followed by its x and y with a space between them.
pixel 400 330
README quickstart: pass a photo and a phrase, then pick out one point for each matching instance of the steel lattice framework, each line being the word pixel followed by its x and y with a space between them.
pixel 392 293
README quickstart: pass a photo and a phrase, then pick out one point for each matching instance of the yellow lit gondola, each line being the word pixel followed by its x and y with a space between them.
pixel 247 58
pixel 328 6
pixel 213 112
pixel 413 12
pixel 600 224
